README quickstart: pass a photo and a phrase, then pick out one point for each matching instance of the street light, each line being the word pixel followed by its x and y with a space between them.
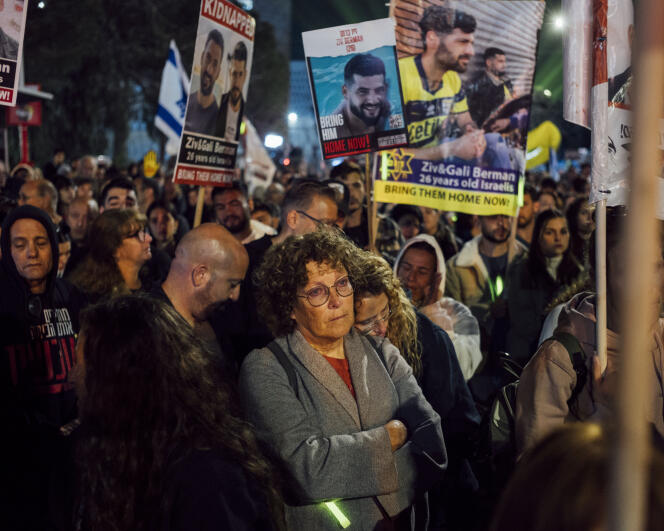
pixel 292 117
pixel 559 22
pixel 273 141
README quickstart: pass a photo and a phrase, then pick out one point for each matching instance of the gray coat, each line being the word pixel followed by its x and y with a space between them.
pixel 335 447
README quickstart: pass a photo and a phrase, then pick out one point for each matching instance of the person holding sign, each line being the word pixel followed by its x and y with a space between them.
pixel 365 107
pixel 232 104
pixel 202 108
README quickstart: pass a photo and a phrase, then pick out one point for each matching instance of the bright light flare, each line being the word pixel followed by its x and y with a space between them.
pixel 559 22
pixel 273 141
pixel 292 117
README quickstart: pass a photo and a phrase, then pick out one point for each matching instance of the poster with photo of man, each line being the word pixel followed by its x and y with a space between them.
pixel 356 89
pixel 218 92
pixel 12 29
pixel 467 86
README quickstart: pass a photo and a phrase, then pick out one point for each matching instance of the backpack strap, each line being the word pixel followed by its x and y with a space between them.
pixel 578 358
pixel 285 363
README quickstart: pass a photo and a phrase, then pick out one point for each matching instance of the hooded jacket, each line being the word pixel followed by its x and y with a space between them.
pixel 547 381
pixel 451 315
pixel 37 338
pixel 468 279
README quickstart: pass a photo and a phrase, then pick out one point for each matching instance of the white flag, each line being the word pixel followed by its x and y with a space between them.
pixel 172 99
pixel 259 169
pixel 577 60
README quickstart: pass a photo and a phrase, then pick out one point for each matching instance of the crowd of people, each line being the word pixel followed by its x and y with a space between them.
pixel 271 368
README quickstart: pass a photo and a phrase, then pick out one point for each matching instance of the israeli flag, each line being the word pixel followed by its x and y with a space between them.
pixel 172 99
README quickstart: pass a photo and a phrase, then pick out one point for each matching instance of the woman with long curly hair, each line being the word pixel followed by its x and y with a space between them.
pixel 119 245
pixel 350 424
pixel 534 282
pixel 383 310
pixel 159 446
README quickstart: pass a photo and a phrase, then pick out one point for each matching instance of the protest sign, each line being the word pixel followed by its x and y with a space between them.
pixel 445 185
pixel 355 86
pixel 613 185
pixel 467 85
pixel 27 114
pixel 219 79
pixel 12 30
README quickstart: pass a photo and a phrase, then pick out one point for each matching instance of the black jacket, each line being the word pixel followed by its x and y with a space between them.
pixel 37 337
pixel 221 117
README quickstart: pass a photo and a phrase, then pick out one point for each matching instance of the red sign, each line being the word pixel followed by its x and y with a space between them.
pixel 28 114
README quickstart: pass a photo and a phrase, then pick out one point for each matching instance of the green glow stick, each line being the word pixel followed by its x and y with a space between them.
pixel 341 517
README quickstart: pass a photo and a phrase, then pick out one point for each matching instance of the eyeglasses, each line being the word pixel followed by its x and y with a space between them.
pixel 319 295
pixel 140 234
pixel 327 222
pixel 372 326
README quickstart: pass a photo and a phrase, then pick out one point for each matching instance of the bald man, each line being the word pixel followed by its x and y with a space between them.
pixel 41 194
pixel 207 271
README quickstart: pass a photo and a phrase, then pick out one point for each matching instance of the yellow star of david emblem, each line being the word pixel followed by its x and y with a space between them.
pixel 398 165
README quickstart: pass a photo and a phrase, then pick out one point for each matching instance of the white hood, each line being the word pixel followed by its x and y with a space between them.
pixel 440 259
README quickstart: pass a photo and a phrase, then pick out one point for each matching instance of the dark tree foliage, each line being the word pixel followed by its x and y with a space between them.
pixel 267 99
pixel 102 60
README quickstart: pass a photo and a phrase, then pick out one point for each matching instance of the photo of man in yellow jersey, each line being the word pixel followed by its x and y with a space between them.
pixel 435 101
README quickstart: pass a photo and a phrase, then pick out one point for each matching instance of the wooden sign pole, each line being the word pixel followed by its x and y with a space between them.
pixel 627 495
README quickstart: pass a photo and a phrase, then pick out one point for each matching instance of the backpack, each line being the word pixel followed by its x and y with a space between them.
pixel 498 443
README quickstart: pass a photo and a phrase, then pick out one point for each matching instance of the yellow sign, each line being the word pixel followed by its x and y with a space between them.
pixel 449 186
pixel 150 164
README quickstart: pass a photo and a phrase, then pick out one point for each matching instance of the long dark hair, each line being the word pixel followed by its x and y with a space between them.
pixel 568 269
pixel 151 393
pixel 579 246
pixel 98 275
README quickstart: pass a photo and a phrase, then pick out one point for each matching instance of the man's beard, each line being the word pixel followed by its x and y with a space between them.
pixel 521 222
pixel 236 94
pixel 443 54
pixel 238 225
pixel 493 239
pixel 368 121
pixel 457 66
pixel 206 91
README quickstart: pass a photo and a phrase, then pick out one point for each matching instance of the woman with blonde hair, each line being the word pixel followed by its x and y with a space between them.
pixel 119 245
pixel 383 310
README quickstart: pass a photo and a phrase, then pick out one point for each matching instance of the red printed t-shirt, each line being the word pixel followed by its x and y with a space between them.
pixel 343 370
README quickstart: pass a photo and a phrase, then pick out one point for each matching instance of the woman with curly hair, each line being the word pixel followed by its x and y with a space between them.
pixel 535 281
pixel 349 422
pixel 119 245
pixel 382 310
pixel 159 445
